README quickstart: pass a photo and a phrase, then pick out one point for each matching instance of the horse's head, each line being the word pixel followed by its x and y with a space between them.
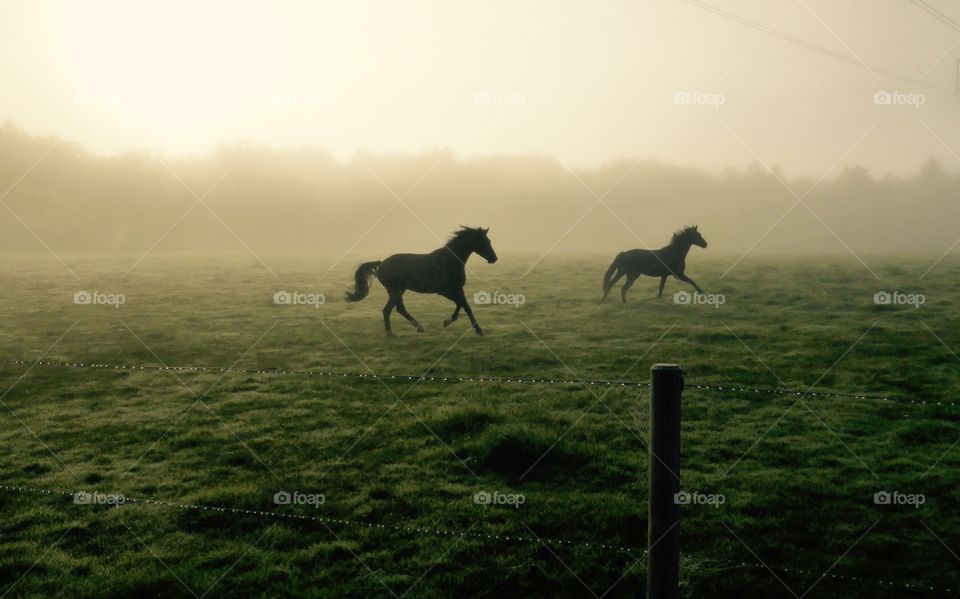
pixel 483 246
pixel 472 239
pixel 691 236
pixel 697 238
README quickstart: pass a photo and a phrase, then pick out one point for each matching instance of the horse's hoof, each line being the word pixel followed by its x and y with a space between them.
pixel 390 334
pixel 447 322
pixel 479 332
pixel 420 330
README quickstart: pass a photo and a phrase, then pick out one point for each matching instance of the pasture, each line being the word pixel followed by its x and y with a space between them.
pixel 399 463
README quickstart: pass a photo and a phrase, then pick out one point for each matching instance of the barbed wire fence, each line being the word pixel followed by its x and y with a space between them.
pixel 636 552
pixel 731 388
pixel 440 532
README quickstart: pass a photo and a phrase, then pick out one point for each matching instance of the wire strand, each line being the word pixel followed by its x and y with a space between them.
pixel 913 586
pixel 732 388
pixel 340 521
pixel 466 534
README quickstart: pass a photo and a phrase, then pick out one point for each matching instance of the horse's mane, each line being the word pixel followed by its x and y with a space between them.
pixel 461 234
pixel 679 235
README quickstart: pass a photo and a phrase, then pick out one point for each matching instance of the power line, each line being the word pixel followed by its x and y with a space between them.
pixel 811 46
pixel 943 18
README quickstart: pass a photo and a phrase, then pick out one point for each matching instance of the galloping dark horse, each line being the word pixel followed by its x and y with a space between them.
pixel 441 272
pixel 669 260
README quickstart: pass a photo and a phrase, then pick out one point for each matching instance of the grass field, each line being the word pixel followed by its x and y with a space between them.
pixel 797 475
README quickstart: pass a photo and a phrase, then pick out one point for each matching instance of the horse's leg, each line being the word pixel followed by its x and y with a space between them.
pixel 461 300
pixel 663 281
pixel 613 282
pixel 453 317
pixel 684 277
pixel 626 287
pixel 387 309
pixel 403 312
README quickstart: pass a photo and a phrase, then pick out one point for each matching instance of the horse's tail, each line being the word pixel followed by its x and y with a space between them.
pixel 608 277
pixel 362 281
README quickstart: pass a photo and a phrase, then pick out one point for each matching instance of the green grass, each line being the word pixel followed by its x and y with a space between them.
pixel 798 477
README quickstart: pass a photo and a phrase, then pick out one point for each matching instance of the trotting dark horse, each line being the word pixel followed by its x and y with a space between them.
pixel 669 260
pixel 442 271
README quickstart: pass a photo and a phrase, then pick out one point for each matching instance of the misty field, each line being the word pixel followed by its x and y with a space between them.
pixel 787 482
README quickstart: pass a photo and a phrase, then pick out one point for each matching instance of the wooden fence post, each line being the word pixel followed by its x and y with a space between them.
pixel 663 511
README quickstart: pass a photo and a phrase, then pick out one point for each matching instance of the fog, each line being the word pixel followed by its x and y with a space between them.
pixel 585 81
pixel 254 199
pixel 303 122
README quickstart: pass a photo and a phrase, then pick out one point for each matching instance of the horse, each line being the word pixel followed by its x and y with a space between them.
pixel 668 260
pixel 442 271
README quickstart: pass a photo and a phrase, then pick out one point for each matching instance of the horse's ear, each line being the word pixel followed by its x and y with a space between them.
pixel 694 227
pixel 487 230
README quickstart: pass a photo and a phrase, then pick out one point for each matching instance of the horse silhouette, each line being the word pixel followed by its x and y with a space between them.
pixel 668 260
pixel 442 271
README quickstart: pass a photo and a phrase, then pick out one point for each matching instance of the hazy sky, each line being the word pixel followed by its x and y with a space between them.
pixel 586 81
